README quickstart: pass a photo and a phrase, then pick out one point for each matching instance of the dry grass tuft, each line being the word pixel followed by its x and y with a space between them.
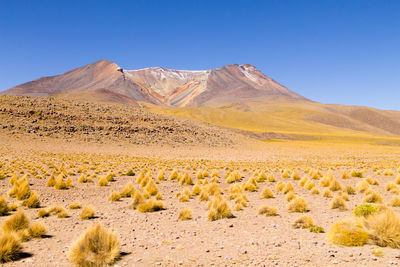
pixel 128 191
pixel 185 214
pixel 384 228
pixel 75 205
pixel 10 247
pixel 115 196
pixel 303 221
pixel 51 182
pixel 267 211
pixel 219 209
pixel 338 203
pixel 60 183
pixel 347 232
pixel 267 193
pixel 297 205
pixel 3 206
pixel 16 223
pixel 87 213
pixel 32 202
pixel 150 205
pixel 395 202
pixel 37 230
pixel 96 247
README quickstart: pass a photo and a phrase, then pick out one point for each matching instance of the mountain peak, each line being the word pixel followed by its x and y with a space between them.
pixel 161 86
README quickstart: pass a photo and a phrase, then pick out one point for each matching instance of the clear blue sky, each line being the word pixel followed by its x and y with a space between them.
pixel 332 51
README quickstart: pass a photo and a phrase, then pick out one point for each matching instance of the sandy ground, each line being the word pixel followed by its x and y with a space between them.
pixel 249 239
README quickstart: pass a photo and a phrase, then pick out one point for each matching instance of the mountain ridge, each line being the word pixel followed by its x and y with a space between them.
pixel 161 86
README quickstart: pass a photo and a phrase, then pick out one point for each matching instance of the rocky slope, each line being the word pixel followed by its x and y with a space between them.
pixel 161 86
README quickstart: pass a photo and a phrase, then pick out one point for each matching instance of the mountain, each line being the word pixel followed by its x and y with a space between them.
pixel 239 97
pixel 160 86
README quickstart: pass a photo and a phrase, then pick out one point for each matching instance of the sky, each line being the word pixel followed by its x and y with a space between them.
pixel 330 51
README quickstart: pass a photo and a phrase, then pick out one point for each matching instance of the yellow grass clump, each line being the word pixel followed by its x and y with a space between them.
pixel 151 188
pixel 395 202
pixel 150 205
pixel 128 190
pixel 3 206
pixel 338 203
pixel 115 196
pixel 345 175
pixel 288 188
pixel 355 173
pixel 304 222
pixel 75 205
pixel 279 186
pixel 384 228
pixel 295 175
pixel 68 182
pixel 60 183
pixel 392 188
pixel 185 214
pixel 362 186
pixel 96 247
pixel 297 204
pixel 303 181
pixel 103 181
pixel 14 178
pixel 43 213
pixel 37 230
pixel 196 189
pixel 10 247
pixel 218 209
pixel 32 201
pixel 87 213
pixel 314 191
pixel 17 223
pixel 334 185
pixel 347 232
pixel 372 196
pixel 267 193
pixel 267 211
pixel 51 182
pixel 137 199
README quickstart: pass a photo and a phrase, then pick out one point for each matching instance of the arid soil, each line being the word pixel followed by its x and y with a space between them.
pixel 158 238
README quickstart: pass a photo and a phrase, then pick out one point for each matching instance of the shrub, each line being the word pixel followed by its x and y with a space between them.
pixel 60 183
pixel 287 188
pixel 279 186
pixel 137 199
pixel 309 185
pixel 10 247
pixel 392 188
pixel 267 211
pixel 338 203
pixel 96 247
pixel 128 191
pixel 87 213
pixel 196 190
pixel 384 228
pixel 219 209
pixel 365 210
pixel 303 181
pixel 37 230
pixel 334 185
pixel 17 222
pixel 75 205
pixel 3 206
pixel 362 186
pixel 32 201
pixel 297 205
pixel 203 195
pixel 151 188
pixel 130 173
pixel 347 233
pixel 314 191
pixel 291 195
pixel 350 190
pixel 150 206
pixel 327 193
pixel 68 182
pixel 51 182
pixel 395 202
pixel 103 181
pixel 115 196
pixel 316 229
pixel 271 178
pixel 303 221
pixel 345 175
pixel 267 193
pixel 185 214
pixel 14 178
pixel 43 213
pixel 295 175
pixel 355 173
pixel 372 197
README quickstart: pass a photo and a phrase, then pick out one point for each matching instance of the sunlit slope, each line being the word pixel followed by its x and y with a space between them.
pixel 297 120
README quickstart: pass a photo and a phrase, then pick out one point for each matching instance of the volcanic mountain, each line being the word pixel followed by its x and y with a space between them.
pixel 233 96
pixel 160 86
